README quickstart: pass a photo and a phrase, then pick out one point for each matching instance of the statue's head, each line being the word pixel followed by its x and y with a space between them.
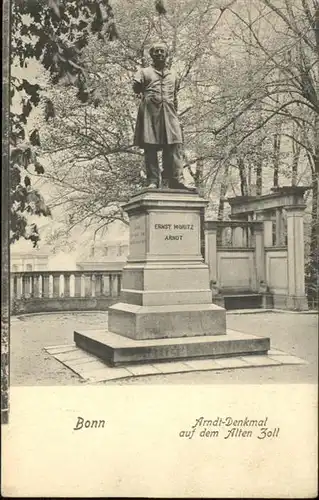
pixel 158 52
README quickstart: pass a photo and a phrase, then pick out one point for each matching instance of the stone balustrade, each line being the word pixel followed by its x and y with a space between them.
pixel 241 255
pixel 235 234
pixel 37 291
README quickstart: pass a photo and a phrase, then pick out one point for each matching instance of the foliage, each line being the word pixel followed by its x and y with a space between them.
pixel 232 100
pixel 55 33
pixel 89 147
pixel 248 104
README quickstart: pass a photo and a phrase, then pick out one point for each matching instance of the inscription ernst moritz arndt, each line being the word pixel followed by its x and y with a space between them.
pixel 169 228
pixel 228 428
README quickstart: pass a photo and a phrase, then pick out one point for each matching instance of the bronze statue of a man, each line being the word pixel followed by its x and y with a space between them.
pixel 157 126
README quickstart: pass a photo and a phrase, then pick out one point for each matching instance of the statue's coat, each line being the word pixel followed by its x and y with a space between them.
pixel 157 121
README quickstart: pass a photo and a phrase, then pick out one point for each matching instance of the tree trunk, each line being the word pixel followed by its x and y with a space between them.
pixel 249 181
pixel 295 161
pixel 259 166
pixel 259 177
pixel 198 177
pixel 314 240
pixel 223 191
pixel 5 258
pixel 242 177
pixel 277 140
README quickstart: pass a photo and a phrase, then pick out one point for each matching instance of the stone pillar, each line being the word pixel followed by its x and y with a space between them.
pixel 296 263
pixel 211 249
pixel 259 253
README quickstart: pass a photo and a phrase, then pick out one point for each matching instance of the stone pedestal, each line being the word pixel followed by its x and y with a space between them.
pixel 165 310
pixel 165 284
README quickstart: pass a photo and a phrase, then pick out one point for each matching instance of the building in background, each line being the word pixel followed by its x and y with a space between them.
pixel 108 251
pixel 32 260
pixel 111 256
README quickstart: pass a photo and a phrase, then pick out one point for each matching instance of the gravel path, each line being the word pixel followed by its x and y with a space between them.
pixel 30 365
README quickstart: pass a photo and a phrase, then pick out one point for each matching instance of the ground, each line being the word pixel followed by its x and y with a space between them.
pixel 30 365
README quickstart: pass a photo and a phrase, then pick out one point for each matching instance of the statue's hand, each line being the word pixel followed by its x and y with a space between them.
pixel 137 88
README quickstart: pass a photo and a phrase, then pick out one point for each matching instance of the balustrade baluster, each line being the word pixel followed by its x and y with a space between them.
pixel 119 284
pixel 87 286
pixel 92 285
pixel 24 286
pixel 11 287
pixel 224 236
pixel 246 236
pixel 98 285
pixel 77 285
pixel 45 285
pixel 56 286
pixel 16 293
pixel 35 286
pixel 59 285
pixel 250 236
pixel 106 284
pixel 238 237
pixel 66 277
pixel 112 286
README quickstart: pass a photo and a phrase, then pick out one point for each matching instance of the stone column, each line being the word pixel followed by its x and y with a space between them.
pixel 211 249
pixel 263 238
pixel 268 242
pixel 296 262
pixel 259 252
pixel 279 227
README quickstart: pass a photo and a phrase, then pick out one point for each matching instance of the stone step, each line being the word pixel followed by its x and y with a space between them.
pixel 243 301
pixel 118 350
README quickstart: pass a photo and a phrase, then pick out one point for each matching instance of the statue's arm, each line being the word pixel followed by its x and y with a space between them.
pixel 138 82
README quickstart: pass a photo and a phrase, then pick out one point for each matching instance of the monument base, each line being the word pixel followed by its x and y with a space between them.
pixel 159 322
pixel 117 350
pixel 165 312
